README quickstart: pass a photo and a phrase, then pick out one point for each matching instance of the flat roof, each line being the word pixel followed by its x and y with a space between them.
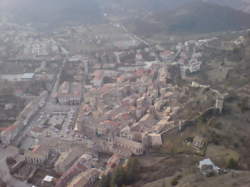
pixel 28 75
pixel 48 178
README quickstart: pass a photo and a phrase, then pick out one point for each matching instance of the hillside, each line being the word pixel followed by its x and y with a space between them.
pixel 200 17
pixel 156 5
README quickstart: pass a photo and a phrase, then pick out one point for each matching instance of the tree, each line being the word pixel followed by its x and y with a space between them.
pixel 126 175
pixel 132 170
pixel 106 180
pixel 119 177
pixel 232 164
pixel 243 104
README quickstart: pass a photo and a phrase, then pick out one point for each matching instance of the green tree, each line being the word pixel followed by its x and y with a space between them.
pixel 232 164
pixel 106 180
pixel 132 170
pixel 119 177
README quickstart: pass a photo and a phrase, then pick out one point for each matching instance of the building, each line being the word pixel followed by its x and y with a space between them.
pixel 219 103
pixel 208 168
pixel 48 181
pixel 126 133
pixel 199 143
pixel 195 66
pixel 70 93
pixel 64 162
pixel 85 179
pixel 166 55
pixel 173 73
pixel 56 120
pixel 155 139
pixel 10 134
pixel 126 145
pixel 84 163
pixel 38 156
pixel 67 159
pixel 112 163
pixel 28 76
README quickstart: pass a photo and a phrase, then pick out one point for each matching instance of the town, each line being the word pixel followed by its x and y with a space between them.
pixel 86 98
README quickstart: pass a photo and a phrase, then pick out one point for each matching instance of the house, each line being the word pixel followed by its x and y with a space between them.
pixel 37 156
pixel 9 134
pixel 126 133
pixel 48 181
pixel 130 146
pixel 208 168
pixel 28 76
pixel 195 66
pixel 155 139
pixel 166 55
pixel 107 126
pixel 98 77
pixel 219 103
pixel 85 179
pixel 84 163
pixel 112 163
pixel 199 144
pixel 159 105
pixel 67 159
pixel 69 93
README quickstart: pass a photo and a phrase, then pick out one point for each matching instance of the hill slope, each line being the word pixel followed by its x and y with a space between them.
pixel 201 17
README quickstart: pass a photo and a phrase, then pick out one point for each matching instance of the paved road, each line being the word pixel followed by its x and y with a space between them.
pixel 49 103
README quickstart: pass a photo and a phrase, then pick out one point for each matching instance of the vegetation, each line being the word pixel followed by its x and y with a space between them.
pixel 232 164
pixel 201 17
pixel 122 175
pixel 243 105
pixel 175 180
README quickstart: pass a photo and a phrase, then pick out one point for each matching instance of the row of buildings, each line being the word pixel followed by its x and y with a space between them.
pixel 11 133
pixel 70 93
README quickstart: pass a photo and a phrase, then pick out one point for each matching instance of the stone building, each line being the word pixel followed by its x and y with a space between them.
pixel 219 103
pixel 126 145
pixel 70 93
pixel 199 143
pixel 85 179
pixel 38 156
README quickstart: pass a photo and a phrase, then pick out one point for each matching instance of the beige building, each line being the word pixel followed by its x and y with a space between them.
pixel 67 159
pixel 38 156
pixel 199 143
pixel 156 139
pixel 130 146
pixel 85 179
pixel 70 93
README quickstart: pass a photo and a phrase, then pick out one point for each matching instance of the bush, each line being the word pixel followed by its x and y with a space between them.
pixel 232 164
pixel 243 105
pixel 128 175
pixel 132 170
pixel 10 161
pixel 106 180
pixel 175 180
pixel 119 177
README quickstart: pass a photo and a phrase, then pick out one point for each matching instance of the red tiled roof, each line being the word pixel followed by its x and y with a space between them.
pixel 166 53
pixel 10 128
pixel 109 122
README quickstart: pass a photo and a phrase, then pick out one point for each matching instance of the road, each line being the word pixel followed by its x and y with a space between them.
pixel 135 37
pixel 48 104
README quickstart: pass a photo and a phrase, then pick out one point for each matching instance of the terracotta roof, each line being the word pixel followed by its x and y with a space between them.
pixel 10 128
pixel 109 122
